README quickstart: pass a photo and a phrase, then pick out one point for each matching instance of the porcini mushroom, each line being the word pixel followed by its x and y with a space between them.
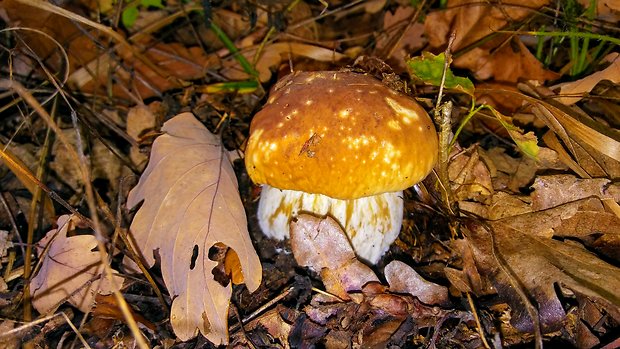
pixel 339 144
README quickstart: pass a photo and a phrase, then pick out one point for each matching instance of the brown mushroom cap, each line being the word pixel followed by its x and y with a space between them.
pixel 340 134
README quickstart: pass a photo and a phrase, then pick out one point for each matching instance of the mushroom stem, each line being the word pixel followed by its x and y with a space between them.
pixel 372 223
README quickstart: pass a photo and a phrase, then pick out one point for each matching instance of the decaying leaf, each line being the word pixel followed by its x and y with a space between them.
pixel 191 202
pixel 469 176
pixel 70 270
pixel 539 264
pixel 322 245
pixel 550 191
pixel 403 279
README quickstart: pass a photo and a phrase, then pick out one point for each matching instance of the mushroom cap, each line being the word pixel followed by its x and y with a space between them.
pixel 340 134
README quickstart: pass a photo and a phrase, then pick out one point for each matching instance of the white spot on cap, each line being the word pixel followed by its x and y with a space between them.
pixel 309 102
pixel 393 124
pixel 407 115
pixel 344 113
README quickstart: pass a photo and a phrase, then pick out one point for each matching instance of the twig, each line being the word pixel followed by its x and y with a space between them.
pixel 443 119
pixel 258 311
pixel 477 319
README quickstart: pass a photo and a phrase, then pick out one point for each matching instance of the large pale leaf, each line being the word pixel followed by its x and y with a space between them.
pixel 70 270
pixel 191 202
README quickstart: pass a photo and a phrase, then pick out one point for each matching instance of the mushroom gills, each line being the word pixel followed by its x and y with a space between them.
pixel 371 223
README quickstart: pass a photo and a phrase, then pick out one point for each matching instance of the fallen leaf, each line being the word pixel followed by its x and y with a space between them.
pixel 272 55
pixel 498 206
pixel 469 176
pixel 473 20
pixel 9 342
pixel 502 58
pixel 429 69
pixel 517 173
pixel 540 263
pixel 409 41
pixel 573 92
pixel 527 142
pixel 107 308
pixel 511 62
pixel 550 191
pixel 70 269
pixel 140 119
pixel 404 279
pixel 606 10
pixel 321 245
pixel 191 202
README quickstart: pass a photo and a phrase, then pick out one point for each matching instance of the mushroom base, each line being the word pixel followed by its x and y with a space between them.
pixel 371 223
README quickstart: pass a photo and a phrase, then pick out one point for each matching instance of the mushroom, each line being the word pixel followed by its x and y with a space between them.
pixel 340 144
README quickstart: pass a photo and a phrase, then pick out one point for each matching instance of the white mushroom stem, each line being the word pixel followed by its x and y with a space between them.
pixel 372 223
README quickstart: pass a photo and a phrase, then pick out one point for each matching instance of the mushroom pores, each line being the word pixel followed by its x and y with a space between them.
pixel 339 136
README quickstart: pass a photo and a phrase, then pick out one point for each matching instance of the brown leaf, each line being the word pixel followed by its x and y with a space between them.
pixel 191 202
pixel 539 263
pixel 106 307
pixel 503 58
pixel 510 63
pixel 403 279
pixel 474 20
pixel 550 191
pixel 578 88
pixel 407 42
pixel 70 270
pixel 321 245
pixel 515 174
pixel 272 55
pixel 140 119
pixel 606 10
pixel 469 176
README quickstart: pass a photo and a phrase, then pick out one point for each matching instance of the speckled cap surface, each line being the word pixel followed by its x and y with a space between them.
pixel 340 134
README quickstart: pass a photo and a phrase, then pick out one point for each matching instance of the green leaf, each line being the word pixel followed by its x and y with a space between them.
pixel 231 86
pixel 129 16
pixel 429 68
pixel 527 143
pixel 152 3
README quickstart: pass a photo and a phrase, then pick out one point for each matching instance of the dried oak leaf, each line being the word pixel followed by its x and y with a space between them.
pixel 539 264
pixel 70 270
pixel 191 202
